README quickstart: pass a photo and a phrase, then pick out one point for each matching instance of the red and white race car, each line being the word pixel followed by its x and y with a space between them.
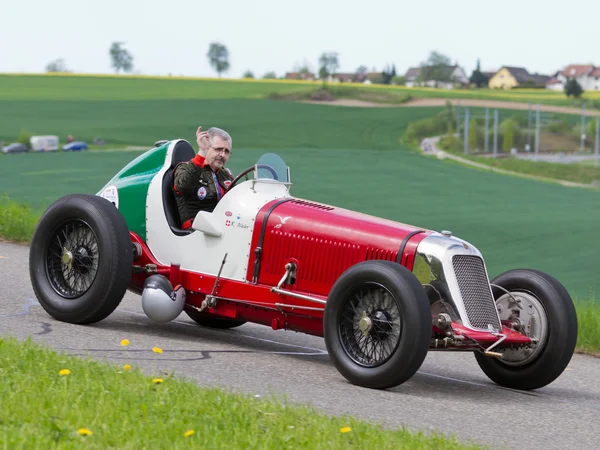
pixel 381 293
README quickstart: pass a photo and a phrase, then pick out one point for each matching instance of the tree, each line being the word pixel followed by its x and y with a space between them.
pixel 269 75
pixel 388 74
pixel 436 68
pixel 477 77
pixel 121 59
pixel 573 88
pixel 328 64
pixel 58 65
pixel 218 56
pixel 361 74
pixel 248 74
pixel 303 69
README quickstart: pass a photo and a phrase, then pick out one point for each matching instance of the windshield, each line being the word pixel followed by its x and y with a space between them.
pixel 272 167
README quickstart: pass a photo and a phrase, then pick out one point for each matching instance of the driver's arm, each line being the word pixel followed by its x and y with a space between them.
pixel 186 175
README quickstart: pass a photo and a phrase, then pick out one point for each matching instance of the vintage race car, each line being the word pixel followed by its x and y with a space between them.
pixel 381 293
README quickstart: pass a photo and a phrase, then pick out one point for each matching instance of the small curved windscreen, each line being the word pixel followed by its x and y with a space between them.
pixel 272 167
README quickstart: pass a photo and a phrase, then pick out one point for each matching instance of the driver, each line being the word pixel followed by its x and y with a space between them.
pixel 200 183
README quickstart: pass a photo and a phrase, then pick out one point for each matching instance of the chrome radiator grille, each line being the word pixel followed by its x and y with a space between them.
pixel 475 291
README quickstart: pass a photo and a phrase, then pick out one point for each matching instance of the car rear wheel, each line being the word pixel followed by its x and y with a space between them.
pixel 544 311
pixel 80 259
pixel 377 324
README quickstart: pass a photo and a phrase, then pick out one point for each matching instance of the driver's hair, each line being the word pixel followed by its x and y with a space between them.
pixel 214 131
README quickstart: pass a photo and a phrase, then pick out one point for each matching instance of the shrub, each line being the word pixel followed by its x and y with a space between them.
pixel 25 137
pixel 509 129
pixel 559 126
pixel 473 134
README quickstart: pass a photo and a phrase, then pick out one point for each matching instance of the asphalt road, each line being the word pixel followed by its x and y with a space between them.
pixel 449 393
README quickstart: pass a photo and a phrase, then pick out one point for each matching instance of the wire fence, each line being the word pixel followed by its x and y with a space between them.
pixel 494 127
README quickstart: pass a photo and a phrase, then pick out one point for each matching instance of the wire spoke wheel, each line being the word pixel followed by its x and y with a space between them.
pixel 370 325
pixel 72 259
pixel 377 324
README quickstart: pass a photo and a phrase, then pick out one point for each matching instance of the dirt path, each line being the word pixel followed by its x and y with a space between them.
pixel 483 103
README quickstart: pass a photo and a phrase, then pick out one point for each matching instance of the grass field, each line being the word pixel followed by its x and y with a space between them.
pixel 515 222
pixel 351 157
pixel 252 123
pixel 108 87
pixel 52 400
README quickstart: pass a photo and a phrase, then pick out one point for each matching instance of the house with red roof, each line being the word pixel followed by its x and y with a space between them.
pixel 587 75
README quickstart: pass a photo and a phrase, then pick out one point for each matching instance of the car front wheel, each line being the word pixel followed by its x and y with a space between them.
pixel 377 324
pixel 543 310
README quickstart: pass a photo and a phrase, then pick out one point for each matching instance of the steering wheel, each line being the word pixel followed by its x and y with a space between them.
pixel 250 169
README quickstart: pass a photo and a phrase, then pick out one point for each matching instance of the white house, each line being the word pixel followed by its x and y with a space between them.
pixel 457 75
pixel 587 75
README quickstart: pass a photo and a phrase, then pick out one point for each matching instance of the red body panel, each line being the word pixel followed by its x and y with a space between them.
pixel 324 241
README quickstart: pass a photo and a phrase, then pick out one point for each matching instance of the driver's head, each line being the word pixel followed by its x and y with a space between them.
pixel 220 148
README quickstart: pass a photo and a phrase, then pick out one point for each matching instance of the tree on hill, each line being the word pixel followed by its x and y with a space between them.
pixel 388 74
pixel 120 58
pixel 361 74
pixel 573 88
pixel 328 64
pixel 477 77
pixel 436 68
pixel 218 56
pixel 58 65
pixel 248 74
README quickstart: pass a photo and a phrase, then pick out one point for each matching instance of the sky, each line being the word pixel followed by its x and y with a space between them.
pixel 173 37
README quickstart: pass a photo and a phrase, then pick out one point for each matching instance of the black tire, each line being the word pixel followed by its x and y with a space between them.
pixel 80 259
pixel 554 353
pixel 212 322
pixel 398 322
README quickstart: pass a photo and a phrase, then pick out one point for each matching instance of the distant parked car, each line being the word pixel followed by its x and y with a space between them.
pixel 15 147
pixel 74 146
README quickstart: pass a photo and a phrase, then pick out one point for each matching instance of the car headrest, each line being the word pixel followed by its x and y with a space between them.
pixel 182 152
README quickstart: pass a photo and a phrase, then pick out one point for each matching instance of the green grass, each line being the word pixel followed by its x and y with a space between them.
pixel 17 221
pixel 125 409
pixel 70 87
pixel 252 123
pixel 588 317
pixel 578 173
pixel 515 222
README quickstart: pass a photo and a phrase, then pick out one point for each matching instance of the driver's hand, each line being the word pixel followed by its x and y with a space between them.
pixel 203 141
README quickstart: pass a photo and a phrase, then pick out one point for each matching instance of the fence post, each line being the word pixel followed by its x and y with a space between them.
pixel 537 131
pixel 466 131
pixel 458 117
pixel 528 148
pixel 597 139
pixel 495 132
pixel 582 126
pixel 486 130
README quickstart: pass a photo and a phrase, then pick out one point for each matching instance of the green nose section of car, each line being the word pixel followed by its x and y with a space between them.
pixel 132 186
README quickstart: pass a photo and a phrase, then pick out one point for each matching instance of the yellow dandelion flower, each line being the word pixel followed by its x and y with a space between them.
pixel 345 429
pixel 157 350
pixel 125 342
pixel 127 367
pixel 188 433
pixel 64 372
pixel 84 432
pixel 157 380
